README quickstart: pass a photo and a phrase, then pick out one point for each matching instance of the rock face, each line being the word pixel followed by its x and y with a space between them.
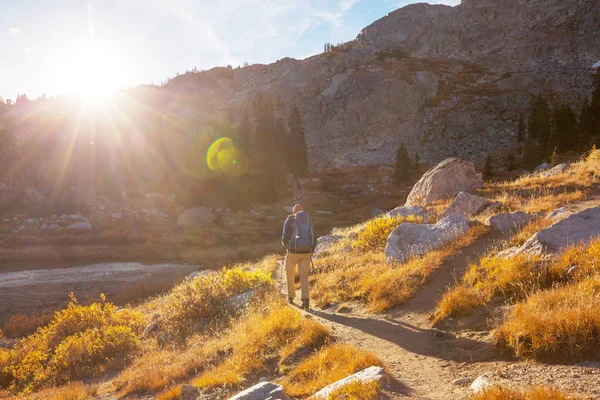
pixel 195 217
pixel 466 204
pixel 371 374
pixel 577 228
pixel 406 211
pixel 414 239
pixel 262 391
pixel 324 243
pixel 508 221
pixel 446 179
pixel 559 169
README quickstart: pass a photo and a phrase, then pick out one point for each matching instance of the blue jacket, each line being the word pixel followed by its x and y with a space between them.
pixel 288 230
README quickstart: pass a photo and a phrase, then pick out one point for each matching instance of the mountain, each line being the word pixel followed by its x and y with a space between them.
pixel 445 81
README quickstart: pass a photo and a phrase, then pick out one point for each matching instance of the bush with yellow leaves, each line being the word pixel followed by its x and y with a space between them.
pixel 205 297
pixel 374 234
pixel 79 342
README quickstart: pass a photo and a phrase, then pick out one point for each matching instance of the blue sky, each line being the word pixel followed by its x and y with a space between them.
pixel 53 46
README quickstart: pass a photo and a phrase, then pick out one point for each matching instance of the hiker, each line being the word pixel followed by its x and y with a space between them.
pixel 299 238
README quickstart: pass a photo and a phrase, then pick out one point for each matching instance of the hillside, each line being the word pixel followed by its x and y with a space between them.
pixel 445 81
pixel 503 308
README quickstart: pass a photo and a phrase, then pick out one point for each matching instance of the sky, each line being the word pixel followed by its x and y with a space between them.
pixel 56 46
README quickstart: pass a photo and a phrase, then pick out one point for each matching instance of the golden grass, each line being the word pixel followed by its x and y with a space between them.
pixel 559 324
pixel 325 367
pixel 274 332
pixel 538 393
pixel 528 230
pixel 515 278
pixel 535 192
pixel 270 332
pixel 368 278
pixel 374 234
pixel 356 390
pixel 173 393
pixel 71 391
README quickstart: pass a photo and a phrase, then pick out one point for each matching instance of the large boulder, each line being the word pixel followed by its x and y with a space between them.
pixel 559 169
pixel 406 211
pixel 324 243
pixel 506 222
pixel 262 391
pixel 195 217
pixel 446 179
pixel 415 239
pixel 577 228
pixel 368 375
pixel 466 204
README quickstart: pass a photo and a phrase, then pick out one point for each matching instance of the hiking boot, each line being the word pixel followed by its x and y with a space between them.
pixel 291 300
pixel 305 304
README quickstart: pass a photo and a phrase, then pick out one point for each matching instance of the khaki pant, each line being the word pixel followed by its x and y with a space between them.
pixel 303 262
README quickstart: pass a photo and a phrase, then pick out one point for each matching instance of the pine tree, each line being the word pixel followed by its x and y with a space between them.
pixel 531 155
pixel 488 169
pixel 297 155
pixel 417 161
pixel 595 108
pixel 554 158
pixel 521 129
pixel 539 127
pixel 565 129
pixel 403 165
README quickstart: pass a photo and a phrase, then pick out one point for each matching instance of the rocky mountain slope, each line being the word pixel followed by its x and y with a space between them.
pixel 445 81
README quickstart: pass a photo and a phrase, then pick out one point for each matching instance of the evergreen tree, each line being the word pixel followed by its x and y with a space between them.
pixel 297 155
pixel 595 109
pixel 488 169
pixel 531 155
pixel 565 129
pixel 539 127
pixel 554 158
pixel 417 161
pixel 403 165
pixel 521 129
pixel 586 123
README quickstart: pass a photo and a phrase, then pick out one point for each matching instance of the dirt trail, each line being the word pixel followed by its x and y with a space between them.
pixel 426 361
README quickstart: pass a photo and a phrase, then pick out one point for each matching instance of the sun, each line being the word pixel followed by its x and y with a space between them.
pixel 91 71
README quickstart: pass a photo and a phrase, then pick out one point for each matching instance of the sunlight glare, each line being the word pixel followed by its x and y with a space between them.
pixel 91 71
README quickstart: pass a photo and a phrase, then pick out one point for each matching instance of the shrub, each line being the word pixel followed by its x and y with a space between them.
pixel 457 302
pixel 328 365
pixel 503 393
pixel 23 325
pixel 560 324
pixel 80 341
pixel 376 231
pixel 205 297
pixel 356 390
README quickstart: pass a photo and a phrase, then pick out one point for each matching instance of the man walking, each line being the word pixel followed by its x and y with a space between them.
pixel 299 238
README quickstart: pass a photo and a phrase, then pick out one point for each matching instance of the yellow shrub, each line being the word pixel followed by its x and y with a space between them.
pixel 376 231
pixel 562 324
pixel 503 393
pixel 22 325
pixel 81 341
pixel 325 367
pixel 205 296
pixel 356 390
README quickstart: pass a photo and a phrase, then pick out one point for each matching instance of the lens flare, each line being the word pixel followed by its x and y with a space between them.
pixel 223 156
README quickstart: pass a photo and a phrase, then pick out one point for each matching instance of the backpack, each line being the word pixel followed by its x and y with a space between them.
pixel 302 235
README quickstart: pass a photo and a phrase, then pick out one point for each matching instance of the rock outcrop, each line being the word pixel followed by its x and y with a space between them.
pixel 466 204
pixel 577 228
pixel 324 243
pixel 371 374
pixel 262 391
pixel 195 217
pixel 407 211
pixel 414 239
pixel 446 179
pixel 506 222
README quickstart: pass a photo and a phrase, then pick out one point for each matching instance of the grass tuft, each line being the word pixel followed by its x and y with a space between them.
pixel 325 367
pixel 356 390
pixel 374 234
pixel 538 393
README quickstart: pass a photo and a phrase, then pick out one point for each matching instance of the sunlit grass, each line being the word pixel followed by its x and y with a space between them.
pixel 537 393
